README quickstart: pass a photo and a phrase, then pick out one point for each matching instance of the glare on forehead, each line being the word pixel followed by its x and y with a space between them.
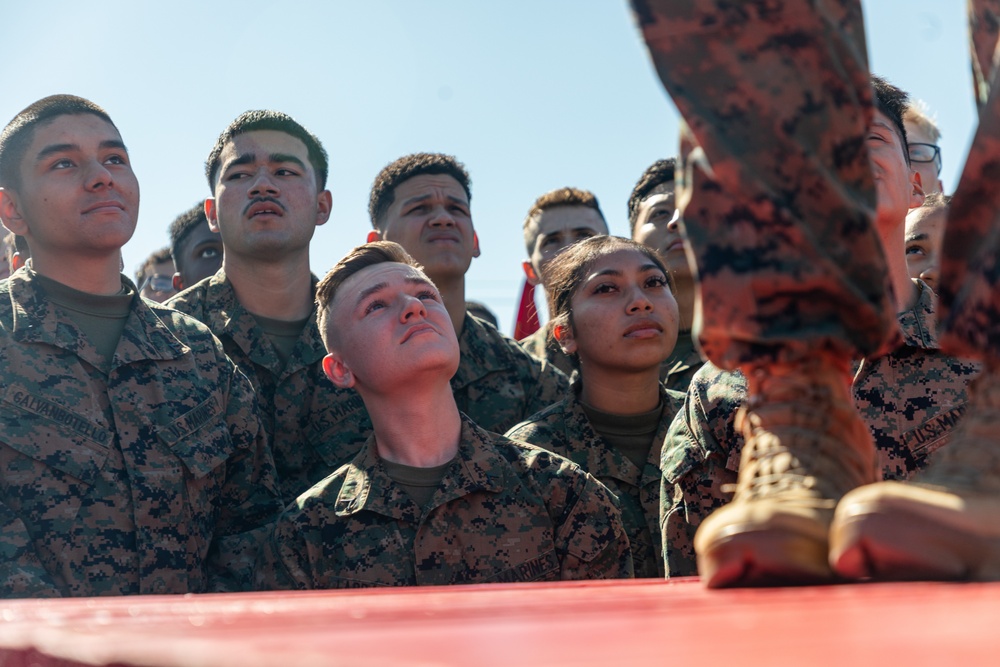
pixel 392 274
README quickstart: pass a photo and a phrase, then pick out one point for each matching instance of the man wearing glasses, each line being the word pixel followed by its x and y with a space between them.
pixel 922 136
pixel 155 276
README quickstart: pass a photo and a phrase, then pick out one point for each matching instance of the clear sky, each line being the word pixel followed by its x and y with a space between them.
pixel 530 94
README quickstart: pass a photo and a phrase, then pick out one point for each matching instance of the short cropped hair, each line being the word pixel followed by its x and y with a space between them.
pixel 893 102
pixel 265 119
pixel 917 113
pixel 567 271
pixel 383 192
pixel 658 173
pixel 363 256
pixel 20 131
pixel 936 200
pixel 183 225
pixel 554 199
pixel 156 257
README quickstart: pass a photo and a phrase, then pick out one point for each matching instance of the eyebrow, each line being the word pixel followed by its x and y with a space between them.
pixel 916 237
pixel 250 158
pixel 378 287
pixel 420 198
pixel 55 149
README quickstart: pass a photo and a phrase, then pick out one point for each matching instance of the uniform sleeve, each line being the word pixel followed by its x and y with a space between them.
pixel 546 385
pixel 22 574
pixel 590 540
pixel 249 501
pixel 699 459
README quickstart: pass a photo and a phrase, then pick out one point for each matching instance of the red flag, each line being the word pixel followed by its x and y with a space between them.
pixel 527 315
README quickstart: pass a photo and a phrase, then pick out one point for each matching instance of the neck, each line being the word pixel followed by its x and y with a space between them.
pixel 417 425
pixel 684 294
pixel 619 392
pixel 894 246
pixel 94 275
pixel 453 293
pixel 280 291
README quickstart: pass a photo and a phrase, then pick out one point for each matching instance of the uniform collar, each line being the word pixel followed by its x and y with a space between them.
pixel 483 352
pixel 228 318
pixel 918 324
pixel 595 456
pixel 35 320
pixel 684 356
pixel 477 467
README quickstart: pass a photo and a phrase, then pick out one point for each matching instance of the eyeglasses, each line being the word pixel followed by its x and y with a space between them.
pixel 158 283
pixel 926 153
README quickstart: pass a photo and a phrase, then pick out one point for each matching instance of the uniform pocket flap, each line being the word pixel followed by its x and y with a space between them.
pixel 54 435
pixel 679 458
pixel 199 437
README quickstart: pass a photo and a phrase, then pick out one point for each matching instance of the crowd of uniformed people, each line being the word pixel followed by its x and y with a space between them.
pixel 751 388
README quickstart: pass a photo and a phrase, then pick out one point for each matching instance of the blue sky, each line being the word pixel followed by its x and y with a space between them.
pixel 530 94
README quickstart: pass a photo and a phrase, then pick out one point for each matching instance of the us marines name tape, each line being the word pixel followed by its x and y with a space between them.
pixel 934 429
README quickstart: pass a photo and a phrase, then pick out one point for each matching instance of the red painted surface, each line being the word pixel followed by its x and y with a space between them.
pixel 585 623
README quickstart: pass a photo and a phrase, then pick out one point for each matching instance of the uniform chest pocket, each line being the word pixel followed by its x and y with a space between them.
pixel 52 434
pixel 199 437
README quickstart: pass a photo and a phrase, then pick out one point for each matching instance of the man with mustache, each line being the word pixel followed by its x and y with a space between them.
pixel 132 460
pixel 267 174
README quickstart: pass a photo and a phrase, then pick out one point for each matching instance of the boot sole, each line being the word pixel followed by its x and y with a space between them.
pixel 756 556
pixel 893 540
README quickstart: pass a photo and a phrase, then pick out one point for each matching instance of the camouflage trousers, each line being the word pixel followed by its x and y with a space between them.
pixel 776 191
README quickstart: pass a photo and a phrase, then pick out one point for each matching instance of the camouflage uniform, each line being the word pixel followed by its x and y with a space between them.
pixel 498 384
pixel 314 427
pixel 684 362
pixel 564 428
pixel 150 477
pixel 541 345
pixel 969 314
pixel 910 399
pixel 505 512
pixel 778 99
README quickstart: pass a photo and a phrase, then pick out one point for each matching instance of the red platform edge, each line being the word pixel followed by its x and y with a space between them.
pixel 570 623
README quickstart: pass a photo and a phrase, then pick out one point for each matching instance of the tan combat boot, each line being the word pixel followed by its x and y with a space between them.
pixel 944 525
pixel 805 447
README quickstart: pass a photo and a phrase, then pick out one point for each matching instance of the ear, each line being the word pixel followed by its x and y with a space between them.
pixel 178 282
pixel 340 375
pixel 917 193
pixel 374 235
pixel 10 212
pixel 475 244
pixel 325 205
pixel 212 213
pixel 529 273
pixel 564 336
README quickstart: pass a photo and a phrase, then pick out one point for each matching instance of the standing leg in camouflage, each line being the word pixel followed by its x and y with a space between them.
pixel 777 197
pixel 947 525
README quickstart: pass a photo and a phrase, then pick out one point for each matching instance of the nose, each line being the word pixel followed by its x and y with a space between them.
pixel 412 307
pixel 638 301
pixel 263 185
pixel 930 275
pixel 442 218
pixel 675 222
pixel 98 175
